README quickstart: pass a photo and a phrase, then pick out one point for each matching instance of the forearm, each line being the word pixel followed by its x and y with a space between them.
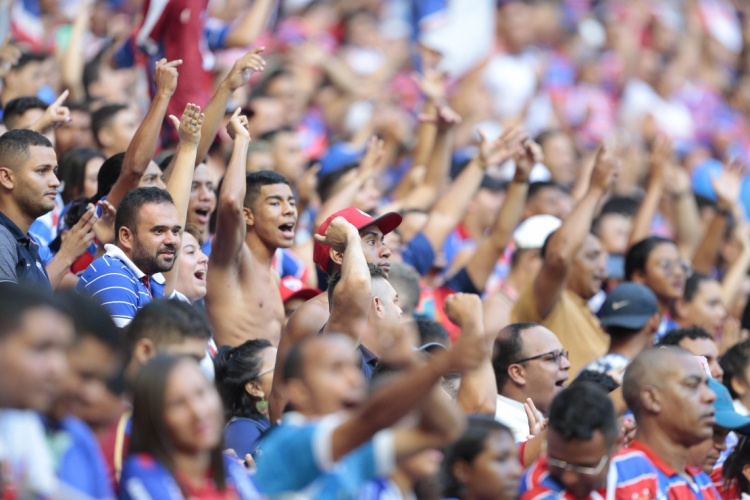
pixel 646 213
pixel 688 223
pixel 706 253
pixel 351 299
pixel 567 240
pixel 213 116
pixel 234 187
pixel 179 188
pixel 439 163
pixel 251 25
pixel 441 417
pixel 426 135
pixel 143 146
pixel 73 63
pixel 341 75
pixel 478 390
pixel 57 268
pixel 734 278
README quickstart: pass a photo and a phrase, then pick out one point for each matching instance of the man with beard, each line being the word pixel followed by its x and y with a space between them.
pixel 128 276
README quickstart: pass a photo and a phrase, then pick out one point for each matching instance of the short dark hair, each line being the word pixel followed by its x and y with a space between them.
pixel 271 135
pixel 467 449
pixel 619 332
pixel 15 146
pixel 15 108
pixel 734 465
pixel 254 181
pixel 129 208
pixel 72 171
pixel 693 285
pixel 103 117
pixel 623 205
pixel 674 337
pixel 404 277
pixel 294 361
pixel 166 322
pixel 580 410
pixel 91 319
pixel 507 350
pixel 536 187
pixel 18 299
pixel 637 256
pixel 235 367
pixel 329 181
pixel 604 381
pixel 734 362
pixel 108 175
pixel 27 58
pixel 92 71
pixel 333 280
pixel 548 134
pixel 432 331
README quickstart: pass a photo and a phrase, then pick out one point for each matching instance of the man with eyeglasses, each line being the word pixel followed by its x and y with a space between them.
pixel 529 363
pixel 581 459
pixel 667 390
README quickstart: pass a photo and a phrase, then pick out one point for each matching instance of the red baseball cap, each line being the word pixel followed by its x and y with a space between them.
pixel 357 218
pixel 292 288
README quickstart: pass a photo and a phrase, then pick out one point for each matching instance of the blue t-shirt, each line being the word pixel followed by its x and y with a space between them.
pixel 145 478
pixel 242 434
pixel 296 456
pixel 419 254
pixel 79 461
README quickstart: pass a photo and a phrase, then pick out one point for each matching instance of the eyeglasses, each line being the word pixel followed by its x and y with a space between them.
pixel 264 372
pixel 669 267
pixel 556 356
pixel 578 469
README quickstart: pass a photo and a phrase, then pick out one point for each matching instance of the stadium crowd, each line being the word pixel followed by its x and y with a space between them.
pixel 375 249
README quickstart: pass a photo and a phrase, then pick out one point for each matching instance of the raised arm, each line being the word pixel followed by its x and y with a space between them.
pixel 687 215
pixel 352 296
pixel 566 242
pixel 395 400
pixel 451 208
pixel 491 248
pixel 226 248
pixel 251 25
pixel 727 188
pixel 141 150
pixel 733 280
pixel 661 156
pixel 478 390
pixel 189 131
pixel 71 69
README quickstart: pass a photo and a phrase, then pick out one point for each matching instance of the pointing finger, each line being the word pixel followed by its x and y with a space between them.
pixel 62 98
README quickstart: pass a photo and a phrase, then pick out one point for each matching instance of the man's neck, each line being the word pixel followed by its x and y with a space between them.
pixel 20 219
pixel 514 393
pixel 629 347
pixel 673 454
pixel 193 466
pixel 261 252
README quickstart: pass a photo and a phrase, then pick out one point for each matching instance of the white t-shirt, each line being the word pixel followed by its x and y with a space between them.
pixel 511 413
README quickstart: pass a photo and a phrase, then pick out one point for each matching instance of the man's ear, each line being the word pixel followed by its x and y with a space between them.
pixel 517 374
pixel 249 216
pixel 651 399
pixel 377 305
pixel 125 238
pixel 144 350
pixel 336 257
pixel 7 178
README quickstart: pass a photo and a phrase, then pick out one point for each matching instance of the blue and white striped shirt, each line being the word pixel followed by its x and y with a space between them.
pixel 119 286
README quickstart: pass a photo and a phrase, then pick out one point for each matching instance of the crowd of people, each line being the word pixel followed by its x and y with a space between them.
pixel 375 249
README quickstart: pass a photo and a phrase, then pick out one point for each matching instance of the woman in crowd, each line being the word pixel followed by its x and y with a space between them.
pixel 736 365
pixel 483 464
pixel 175 445
pixel 192 265
pixel 79 170
pixel 243 377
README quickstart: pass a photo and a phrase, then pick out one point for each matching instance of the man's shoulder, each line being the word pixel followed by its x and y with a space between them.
pixel 105 270
pixel 308 319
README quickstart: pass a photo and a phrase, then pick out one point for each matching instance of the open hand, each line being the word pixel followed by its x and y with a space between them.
pixel 80 236
pixel 371 160
pixel 605 172
pixel 189 126
pixel 244 68
pixel 530 155
pixel 537 424
pixel 728 183
pixel 501 149
pixel 104 228
pixel 9 56
pixel 238 126
pixel 165 77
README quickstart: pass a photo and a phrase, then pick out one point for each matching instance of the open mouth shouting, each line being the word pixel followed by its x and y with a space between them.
pixel 202 214
pixel 287 230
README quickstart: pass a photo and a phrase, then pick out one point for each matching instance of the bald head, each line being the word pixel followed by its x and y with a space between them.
pixel 652 367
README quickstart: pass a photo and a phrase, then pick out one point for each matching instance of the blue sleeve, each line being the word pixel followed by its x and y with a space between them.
pixel 143 478
pixel 419 254
pixel 116 292
pixel 83 466
pixel 460 282
pixel 216 33
pixel 242 436
pixel 124 57
pixel 239 478
pixel 287 460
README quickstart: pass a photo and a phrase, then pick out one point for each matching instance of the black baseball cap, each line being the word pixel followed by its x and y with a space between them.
pixel 629 305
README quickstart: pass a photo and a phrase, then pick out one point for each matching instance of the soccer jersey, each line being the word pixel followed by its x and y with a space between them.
pixel 672 485
pixel 630 473
pixel 297 456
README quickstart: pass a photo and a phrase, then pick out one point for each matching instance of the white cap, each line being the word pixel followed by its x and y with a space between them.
pixel 533 232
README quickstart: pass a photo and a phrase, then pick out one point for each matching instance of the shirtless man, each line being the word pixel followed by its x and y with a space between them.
pixel 257 214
